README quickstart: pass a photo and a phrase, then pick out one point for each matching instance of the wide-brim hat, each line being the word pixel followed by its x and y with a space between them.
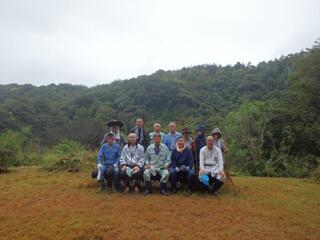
pixel 186 130
pixel 115 123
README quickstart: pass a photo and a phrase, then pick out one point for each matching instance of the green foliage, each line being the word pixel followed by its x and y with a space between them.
pixel 201 94
pixel 281 137
pixel 269 113
pixel 315 174
pixel 67 155
pixel 16 148
pixel 247 130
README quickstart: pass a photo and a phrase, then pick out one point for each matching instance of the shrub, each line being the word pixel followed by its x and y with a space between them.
pixel 67 155
pixel 15 147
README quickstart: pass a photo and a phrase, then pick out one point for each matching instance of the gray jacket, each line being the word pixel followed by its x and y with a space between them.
pixel 133 156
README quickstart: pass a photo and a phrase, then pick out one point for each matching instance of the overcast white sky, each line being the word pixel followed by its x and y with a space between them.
pixel 92 42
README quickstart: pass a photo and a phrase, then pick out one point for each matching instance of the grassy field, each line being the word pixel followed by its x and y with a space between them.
pixel 39 205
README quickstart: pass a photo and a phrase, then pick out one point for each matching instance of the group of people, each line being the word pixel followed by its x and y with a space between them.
pixel 173 157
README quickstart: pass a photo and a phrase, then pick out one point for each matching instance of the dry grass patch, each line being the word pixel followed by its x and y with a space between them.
pixel 40 205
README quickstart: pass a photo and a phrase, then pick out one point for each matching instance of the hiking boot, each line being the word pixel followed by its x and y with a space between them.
pixel 215 194
pixel 148 187
pixel 109 186
pixel 163 189
pixel 101 186
pixel 188 192
pixel 174 190
pixel 217 185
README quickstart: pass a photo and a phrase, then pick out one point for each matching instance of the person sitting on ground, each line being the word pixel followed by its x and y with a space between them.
pixel 157 162
pixel 211 167
pixel 132 162
pixel 181 166
pixel 157 129
pixel 141 133
pixel 108 163
pixel 199 142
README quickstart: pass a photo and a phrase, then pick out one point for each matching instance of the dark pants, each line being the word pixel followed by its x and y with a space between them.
pixel 182 176
pixel 136 177
pixel 196 165
pixel 111 174
pixel 215 182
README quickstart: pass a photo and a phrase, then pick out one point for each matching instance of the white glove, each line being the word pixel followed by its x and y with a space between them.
pixel 187 168
pixel 99 165
pixel 177 169
pixel 183 168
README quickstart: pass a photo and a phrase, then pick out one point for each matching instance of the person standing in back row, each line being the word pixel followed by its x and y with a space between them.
pixel 157 129
pixel 188 141
pixel 171 138
pixel 141 133
pixel 199 142
pixel 219 142
pixel 114 127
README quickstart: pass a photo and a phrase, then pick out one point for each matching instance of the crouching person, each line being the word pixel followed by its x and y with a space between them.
pixel 131 162
pixel 157 162
pixel 108 163
pixel 211 167
pixel 181 166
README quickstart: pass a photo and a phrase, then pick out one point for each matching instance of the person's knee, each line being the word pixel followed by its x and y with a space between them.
pixel 165 173
pixel 116 171
pixel 146 175
pixel 164 176
pixel 220 182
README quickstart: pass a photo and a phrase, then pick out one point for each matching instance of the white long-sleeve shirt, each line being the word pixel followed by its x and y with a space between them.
pixel 211 160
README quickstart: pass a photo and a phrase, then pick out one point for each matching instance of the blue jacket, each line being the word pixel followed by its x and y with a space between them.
pixel 167 140
pixel 109 155
pixel 182 158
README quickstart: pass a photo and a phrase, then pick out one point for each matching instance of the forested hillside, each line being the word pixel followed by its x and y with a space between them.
pixel 201 94
pixel 269 113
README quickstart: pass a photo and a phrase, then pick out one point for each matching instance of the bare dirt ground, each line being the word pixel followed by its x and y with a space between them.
pixel 39 205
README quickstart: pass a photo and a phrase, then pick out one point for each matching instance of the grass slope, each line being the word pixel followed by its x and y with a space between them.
pixel 40 205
